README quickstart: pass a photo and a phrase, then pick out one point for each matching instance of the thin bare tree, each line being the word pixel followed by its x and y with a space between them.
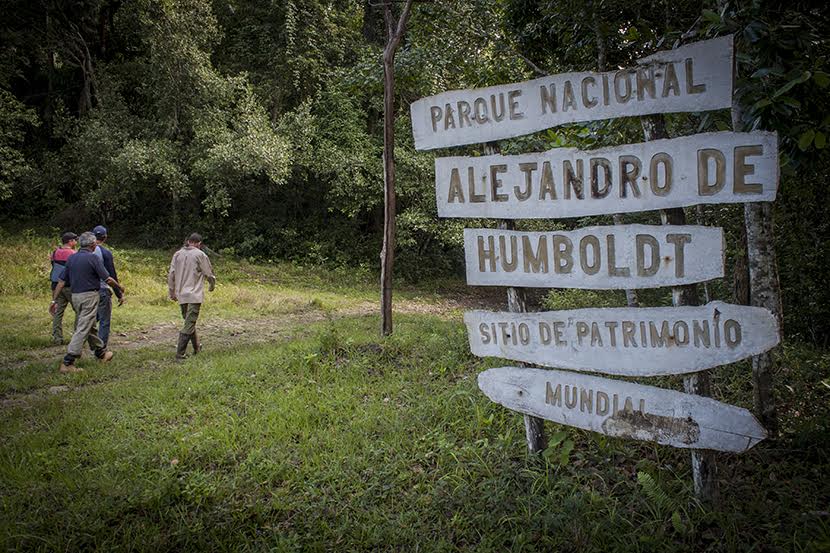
pixel 395 31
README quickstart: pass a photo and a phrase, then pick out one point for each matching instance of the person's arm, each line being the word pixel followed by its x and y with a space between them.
pixel 55 293
pixel 119 290
pixel 101 272
pixel 171 279
pixel 109 265
pixel 207 270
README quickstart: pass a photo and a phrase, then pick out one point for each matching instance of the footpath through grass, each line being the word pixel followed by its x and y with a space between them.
pixel 329 438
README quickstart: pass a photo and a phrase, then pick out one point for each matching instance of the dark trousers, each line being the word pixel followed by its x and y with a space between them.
pixel 104 316
pixel 190 314
pixel 63 299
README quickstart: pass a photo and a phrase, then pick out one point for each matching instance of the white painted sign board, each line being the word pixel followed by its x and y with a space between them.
pixel 696 77
pixel 605 257
pixel 623 409
pixel 626 341
pixel 710 168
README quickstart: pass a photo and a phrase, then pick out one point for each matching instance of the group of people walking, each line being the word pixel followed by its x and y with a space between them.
pixel 86 279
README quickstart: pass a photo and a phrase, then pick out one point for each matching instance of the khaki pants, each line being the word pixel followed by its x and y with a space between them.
pixel 63 299
pixel 86 308
pixel 190 314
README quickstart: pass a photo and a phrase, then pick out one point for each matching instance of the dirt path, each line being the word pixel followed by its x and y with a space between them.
pixel 223 333
pixel 220 334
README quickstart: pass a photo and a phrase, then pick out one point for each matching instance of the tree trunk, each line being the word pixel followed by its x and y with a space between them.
pixel 631 299
pixel 764 291
pixel 740 279
pixel 387 256
pixel 704 465
pixel 395 33
pixel 535 437
pixel 700 219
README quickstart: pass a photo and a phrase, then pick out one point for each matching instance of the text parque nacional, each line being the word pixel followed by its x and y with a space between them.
pixel 692 78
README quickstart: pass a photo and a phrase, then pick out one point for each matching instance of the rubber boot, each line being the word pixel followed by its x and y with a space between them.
pixel 197 346
pixel 181 347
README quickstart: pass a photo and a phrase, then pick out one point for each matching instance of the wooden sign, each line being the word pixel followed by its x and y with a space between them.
pixel 711 168
pixel 696 77
pixel 610 257
pixel 626 341
pixel 623 409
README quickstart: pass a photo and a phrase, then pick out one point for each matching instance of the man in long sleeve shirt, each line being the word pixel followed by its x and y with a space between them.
pixel 104 315
pixel 83 273
pixel 188 270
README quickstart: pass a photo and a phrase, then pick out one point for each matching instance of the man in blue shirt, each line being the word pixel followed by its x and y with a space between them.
pixel 104 315
pixel 83 273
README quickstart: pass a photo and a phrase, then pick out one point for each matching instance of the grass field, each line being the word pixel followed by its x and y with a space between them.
pixel 300 429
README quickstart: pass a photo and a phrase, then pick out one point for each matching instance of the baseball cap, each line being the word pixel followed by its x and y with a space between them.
pixel 100 232
pixel 67 236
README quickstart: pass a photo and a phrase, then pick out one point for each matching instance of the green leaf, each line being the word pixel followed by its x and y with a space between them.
pixel 790 101
pixel 762 103
pixel 787 87
pixel 557 438
pixel 677 523
pixel 654 492
pixel 806 139
pixel 764 71
pixel 565 455
pixel 822 79
pixel 820 141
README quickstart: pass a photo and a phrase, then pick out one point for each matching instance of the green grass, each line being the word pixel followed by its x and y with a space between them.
pixel 338 440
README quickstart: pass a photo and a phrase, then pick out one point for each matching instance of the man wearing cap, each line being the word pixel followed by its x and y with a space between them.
pixel 58 260
pixel 104 315
pixel 83 273
pixel 186 283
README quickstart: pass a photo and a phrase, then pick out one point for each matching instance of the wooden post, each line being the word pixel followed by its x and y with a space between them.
pixel 700 219
pixel 764 286
pixel 517 303
pixel 631 298
pixel 394 34
pixel 704 465
pixel 764 291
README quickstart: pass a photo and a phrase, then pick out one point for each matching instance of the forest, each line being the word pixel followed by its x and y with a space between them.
pixel 262 122
pixel 260 126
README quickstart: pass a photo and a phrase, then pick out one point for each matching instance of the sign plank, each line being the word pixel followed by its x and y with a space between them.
pixel 609 257
pixel 626 341
pixel 711 168
pixel 695 77
pixel 623 409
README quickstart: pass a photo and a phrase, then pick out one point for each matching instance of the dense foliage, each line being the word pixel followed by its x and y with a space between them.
pixel 259 123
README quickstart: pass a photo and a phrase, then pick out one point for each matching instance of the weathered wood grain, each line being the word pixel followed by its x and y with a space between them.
pixel 626 341
pixel 623 409
pixel 605 257
pixel 711 168
pixel 696 77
